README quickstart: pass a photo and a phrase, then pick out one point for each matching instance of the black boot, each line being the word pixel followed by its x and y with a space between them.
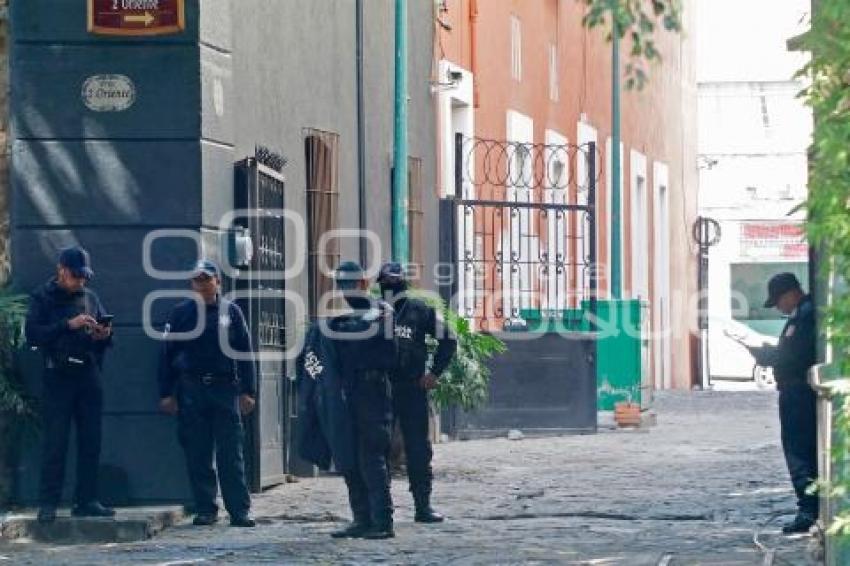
pixel 801 524
pixel 380 531
pixel 424 512
pixel 356 529
pixel 47 514
pixel 92 509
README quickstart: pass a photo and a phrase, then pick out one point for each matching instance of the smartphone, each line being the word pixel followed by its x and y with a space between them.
pixel 105 319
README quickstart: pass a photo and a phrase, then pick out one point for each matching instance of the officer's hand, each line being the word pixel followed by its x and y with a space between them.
pixel 101 332
pixel 246 404
pixel 429 381
pixel 80 321
pixel 168 405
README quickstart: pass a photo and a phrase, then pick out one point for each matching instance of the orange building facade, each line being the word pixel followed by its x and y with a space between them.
pixel 528 72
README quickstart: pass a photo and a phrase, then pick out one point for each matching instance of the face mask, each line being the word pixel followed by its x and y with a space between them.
pixel 393 289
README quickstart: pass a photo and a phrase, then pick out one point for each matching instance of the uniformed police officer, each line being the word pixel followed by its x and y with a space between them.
pixel 66 322
pixel 365 352
pixel 791 359
pixel 414 322
pixel 209 390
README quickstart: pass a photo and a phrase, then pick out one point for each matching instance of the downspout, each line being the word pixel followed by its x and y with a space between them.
pixel 616 173
pixel 473 50
pixel 361 137
pixel 400 239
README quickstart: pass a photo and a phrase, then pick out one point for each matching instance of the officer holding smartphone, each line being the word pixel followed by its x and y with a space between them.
pixel 67 322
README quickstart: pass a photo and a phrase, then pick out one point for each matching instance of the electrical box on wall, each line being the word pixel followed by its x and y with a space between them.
pixel 238 248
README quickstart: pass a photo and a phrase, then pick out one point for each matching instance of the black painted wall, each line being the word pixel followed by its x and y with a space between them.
pixel 243 73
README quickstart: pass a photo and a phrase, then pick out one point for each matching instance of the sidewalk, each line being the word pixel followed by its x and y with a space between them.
pixel 689 491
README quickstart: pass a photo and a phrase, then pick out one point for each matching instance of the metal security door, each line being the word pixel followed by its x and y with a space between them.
pixel 260 192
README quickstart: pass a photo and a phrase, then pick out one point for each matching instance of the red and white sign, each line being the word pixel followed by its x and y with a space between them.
pixel 776 240
pixel 136 17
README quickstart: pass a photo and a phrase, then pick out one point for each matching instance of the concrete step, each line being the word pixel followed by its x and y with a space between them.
pixel 129 525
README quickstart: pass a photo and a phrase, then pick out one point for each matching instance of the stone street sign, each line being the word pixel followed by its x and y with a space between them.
pixel 136 17
pixel 108 93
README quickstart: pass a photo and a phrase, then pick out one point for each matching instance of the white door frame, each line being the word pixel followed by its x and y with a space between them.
pixel 639 280
pixel 556 192
pixel 584 135
pixel 661 319
pixel 456 115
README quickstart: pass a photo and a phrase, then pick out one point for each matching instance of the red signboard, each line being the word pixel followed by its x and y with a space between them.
pixel 136 17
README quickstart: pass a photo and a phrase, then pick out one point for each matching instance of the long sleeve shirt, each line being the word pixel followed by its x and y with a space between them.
pixel 796 350
pixel 184 354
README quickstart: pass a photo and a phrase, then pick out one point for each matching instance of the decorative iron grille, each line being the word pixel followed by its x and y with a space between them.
pixel 526 230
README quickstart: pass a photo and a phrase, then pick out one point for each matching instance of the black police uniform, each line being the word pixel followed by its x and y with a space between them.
pixel 366 352
pixel 414 322
pixel 207 384
pixel 791 359
pixel 72 388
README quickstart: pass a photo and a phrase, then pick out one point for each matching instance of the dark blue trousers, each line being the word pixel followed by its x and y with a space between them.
pixel 209 423
pixel 70 398
pixel 798 419
pixel 369 484
pixel 411 410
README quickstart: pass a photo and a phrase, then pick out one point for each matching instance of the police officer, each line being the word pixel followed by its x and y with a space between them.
pixel 414 322
pixel 209 389
pixel 365 354
pixel 66 322
pixel 791 359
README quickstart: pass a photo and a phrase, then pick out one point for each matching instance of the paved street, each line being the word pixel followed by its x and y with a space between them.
pixel 689 491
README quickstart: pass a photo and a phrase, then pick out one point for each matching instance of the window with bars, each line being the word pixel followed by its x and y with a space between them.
pixel 415 216
pixel 321 152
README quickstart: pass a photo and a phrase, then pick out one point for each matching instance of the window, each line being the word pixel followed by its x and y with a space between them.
pixel 415 216
pixel 516 48
pixel 553 72
pixel 748 292
pixel 322 162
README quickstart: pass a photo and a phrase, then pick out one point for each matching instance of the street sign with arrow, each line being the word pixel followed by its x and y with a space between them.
pixel 136 17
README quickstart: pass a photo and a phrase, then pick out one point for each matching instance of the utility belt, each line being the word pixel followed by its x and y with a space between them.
pixel 211 378
pixel 68 362
pixel 373 376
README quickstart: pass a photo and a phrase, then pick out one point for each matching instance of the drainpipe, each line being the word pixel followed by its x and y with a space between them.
pixel 400 151
pixel 616 173
pixel 361 136
pixel 473 51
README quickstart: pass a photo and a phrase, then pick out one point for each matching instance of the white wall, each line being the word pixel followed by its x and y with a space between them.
pixel 455 115
pixel 745 40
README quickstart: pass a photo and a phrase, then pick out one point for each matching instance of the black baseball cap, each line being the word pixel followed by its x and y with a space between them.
pixel 392 272
pixel 779 285
pixel 348 275
pixel 76 260
pixel 205 267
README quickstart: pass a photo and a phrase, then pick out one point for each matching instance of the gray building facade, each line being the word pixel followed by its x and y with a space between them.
pixel 107 174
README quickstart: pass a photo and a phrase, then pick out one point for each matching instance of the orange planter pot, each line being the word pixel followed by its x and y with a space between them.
pixel 627 414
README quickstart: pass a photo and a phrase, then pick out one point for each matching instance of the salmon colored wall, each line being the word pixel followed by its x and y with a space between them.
pixel 659 122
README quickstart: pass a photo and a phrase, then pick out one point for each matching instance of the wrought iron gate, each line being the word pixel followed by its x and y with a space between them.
pixel 525 232
pixel 260 190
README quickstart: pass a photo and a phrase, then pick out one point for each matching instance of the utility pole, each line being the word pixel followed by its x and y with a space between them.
pixel 400 152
